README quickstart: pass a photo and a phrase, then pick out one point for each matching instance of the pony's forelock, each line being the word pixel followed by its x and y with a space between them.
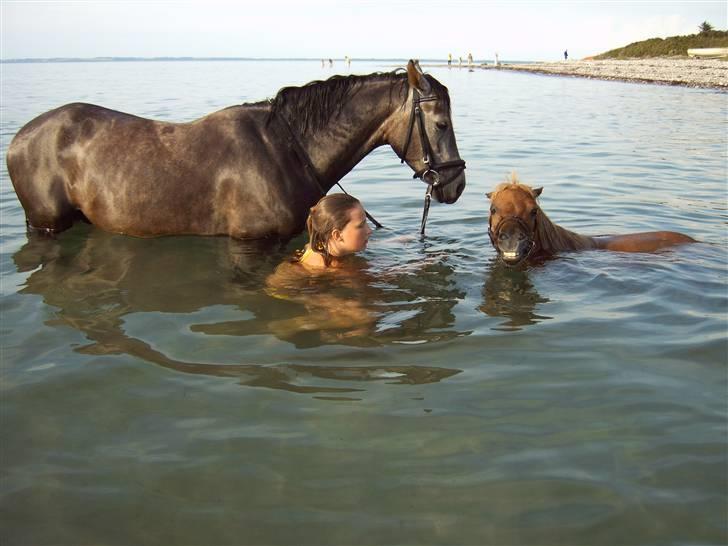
pixel 513 183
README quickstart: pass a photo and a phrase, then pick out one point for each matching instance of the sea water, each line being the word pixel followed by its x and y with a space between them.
pixel 152 392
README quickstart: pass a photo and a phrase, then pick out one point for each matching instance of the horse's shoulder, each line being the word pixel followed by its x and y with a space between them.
pixel 645 241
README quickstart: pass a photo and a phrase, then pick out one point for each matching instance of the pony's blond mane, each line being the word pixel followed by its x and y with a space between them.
pixel 550 237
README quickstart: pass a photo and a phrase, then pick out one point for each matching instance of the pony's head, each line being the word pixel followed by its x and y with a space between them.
pixel 514 214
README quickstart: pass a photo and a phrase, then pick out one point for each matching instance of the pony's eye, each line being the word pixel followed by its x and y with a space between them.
pixel 492 210
pixel 442 125
pixel 534 212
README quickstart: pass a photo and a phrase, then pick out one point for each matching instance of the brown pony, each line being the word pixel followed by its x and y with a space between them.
pixel 520 230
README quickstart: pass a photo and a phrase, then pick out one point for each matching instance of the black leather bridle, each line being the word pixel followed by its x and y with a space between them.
pixel 430 174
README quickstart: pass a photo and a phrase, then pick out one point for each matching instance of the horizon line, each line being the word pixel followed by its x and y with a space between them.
pixel 190 58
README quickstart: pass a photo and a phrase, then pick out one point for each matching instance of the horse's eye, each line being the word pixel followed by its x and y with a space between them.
pixel 442 125
pixel 534 212
pixel 492 210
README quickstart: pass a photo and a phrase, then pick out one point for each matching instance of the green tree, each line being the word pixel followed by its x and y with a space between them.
pixel 705 26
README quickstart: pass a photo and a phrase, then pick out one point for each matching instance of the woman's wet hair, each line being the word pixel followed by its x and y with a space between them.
pixel 330 213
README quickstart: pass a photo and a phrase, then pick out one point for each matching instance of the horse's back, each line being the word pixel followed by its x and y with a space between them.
pixel 60 127
pixel 649 241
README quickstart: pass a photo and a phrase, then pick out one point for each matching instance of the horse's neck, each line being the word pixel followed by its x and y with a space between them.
pixel 348 137
pixel 554 238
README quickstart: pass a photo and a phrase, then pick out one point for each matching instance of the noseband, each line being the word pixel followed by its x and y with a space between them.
pixel 495 232
pixel 430 175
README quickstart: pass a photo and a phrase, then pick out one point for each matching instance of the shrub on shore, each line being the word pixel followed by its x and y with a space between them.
pixel 668 47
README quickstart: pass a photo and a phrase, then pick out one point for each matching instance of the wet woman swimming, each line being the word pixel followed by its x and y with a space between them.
pixel 337 229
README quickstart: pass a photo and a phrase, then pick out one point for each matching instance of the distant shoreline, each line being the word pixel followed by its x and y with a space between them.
pixel 336 61
pixel 703 73
pixel 679 71
pixel 172 59
pixel 50 60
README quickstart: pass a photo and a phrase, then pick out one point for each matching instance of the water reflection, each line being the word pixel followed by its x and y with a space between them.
pixel 362 307
pixel 509 293
pixel 99 282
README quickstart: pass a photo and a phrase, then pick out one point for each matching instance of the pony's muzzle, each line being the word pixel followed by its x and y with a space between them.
pixel 512 242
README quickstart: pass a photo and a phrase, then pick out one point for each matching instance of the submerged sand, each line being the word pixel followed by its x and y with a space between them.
pixel 709 73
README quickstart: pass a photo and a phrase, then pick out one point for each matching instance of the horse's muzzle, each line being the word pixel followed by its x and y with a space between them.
pixel 451 191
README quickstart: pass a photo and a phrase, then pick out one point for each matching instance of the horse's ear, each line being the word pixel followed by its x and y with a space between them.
pixel 489 195
pixel 537 191
pixel 416 78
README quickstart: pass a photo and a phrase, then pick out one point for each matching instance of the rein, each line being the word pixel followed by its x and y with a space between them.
pixel 430 175
pixel 308 165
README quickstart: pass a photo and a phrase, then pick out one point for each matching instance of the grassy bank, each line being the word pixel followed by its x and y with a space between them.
pixel 668 47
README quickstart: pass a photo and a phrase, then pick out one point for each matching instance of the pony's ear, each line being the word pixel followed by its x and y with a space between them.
pixel 489 195
pixel 416 78
pixel 537 191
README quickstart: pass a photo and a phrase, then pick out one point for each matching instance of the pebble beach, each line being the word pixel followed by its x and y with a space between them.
pixel 708 73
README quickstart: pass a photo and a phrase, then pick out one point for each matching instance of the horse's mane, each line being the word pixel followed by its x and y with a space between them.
pixel 311 106
pixel 550 237
pixel 554 238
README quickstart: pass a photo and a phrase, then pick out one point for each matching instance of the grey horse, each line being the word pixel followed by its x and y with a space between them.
pixel 250 171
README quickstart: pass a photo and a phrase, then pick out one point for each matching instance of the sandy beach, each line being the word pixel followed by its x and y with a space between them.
pixel 708 73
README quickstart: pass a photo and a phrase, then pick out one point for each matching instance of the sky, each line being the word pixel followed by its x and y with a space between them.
pixel 424 29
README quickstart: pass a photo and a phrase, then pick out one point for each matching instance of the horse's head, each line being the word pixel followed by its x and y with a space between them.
pixel 512 223
pixel 425 140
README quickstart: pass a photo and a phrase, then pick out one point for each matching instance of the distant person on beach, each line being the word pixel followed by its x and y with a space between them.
pixel 470 59
pixel 449 59
pixel 566 55
pixel 460 61
pixel 331 63
pixel 496 58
